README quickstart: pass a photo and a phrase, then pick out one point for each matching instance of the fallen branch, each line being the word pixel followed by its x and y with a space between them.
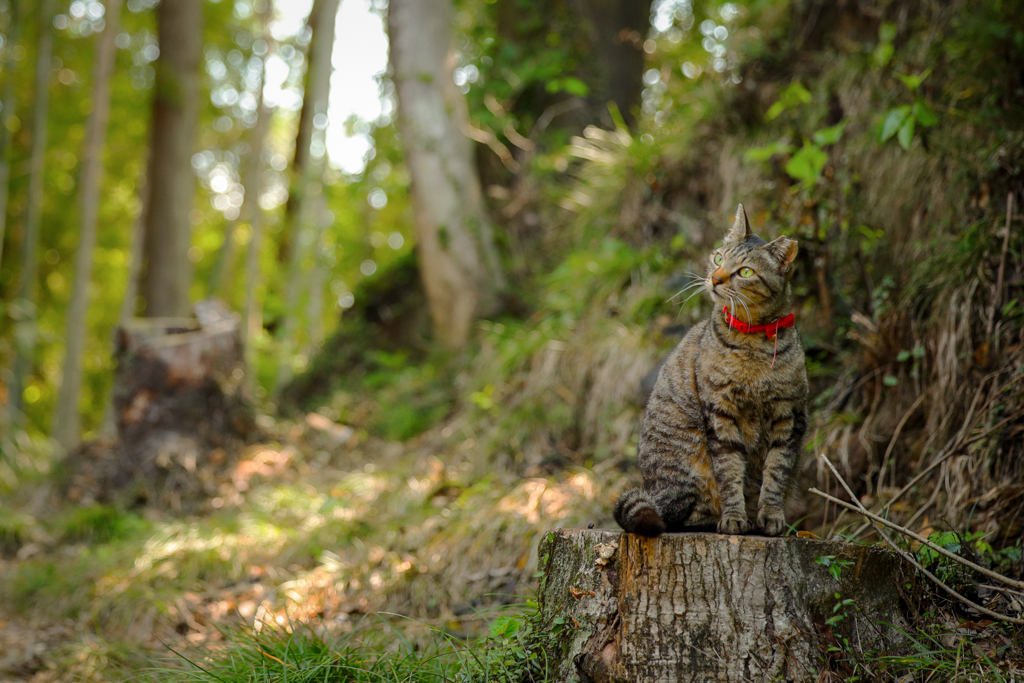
pixel 906 555
pixel 924 541
pixel 1001 589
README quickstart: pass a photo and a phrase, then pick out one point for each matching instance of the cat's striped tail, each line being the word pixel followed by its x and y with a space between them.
pixel 637 513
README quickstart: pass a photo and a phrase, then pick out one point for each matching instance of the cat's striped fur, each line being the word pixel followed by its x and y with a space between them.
pixel 723 432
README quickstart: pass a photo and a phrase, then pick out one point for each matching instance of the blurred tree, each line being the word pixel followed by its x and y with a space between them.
pixel 458 261
pixel 25 313
pixel 167 233
pixel 252 167
pixel 322 19
pixel 66 416
pixel 251 317
pixel 560 64
pixel 7 106
pixel 616 31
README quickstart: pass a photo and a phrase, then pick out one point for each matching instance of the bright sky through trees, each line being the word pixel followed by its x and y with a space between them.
pixel 360 57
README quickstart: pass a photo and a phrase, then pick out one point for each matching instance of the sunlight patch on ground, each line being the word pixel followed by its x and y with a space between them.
pixel 541 499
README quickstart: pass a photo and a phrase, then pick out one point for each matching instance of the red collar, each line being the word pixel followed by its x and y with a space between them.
pixel 769 329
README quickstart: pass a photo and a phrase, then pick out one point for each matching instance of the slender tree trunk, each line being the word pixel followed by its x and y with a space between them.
pixel 249 213
pixel 458 262
pixel 168 232
pixel 10 101
pixel 322 19
pixel 109 425
pixel 25 327
pixel 66 417
pixel 251 210
pixel 317 276
pixel 252 318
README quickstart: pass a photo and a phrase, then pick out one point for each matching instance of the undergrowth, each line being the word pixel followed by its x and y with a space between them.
pixel 423 480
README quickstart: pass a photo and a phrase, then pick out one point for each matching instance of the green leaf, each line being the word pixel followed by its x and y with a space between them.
pixel 794 95
pixel 924 114
pixel 575 86
pixel 830 135
pixel 504 627
pixel 807 163
pixel 914 82
pixel 890 381
pixel 882 54
pixel 766 152
pixel 887 32
pixel 893 120
pixel 906 133
pixel 903 356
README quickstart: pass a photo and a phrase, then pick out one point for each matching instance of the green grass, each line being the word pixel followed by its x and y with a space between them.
pixel 98 524
pixel 302 654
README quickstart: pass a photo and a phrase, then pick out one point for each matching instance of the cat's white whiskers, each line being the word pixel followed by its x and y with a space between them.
pixel 742 299
pixel 684 290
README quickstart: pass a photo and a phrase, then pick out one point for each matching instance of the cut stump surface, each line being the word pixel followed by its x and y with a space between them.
pixel 710 607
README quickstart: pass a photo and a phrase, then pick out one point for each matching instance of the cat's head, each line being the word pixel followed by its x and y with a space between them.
pixel 749 275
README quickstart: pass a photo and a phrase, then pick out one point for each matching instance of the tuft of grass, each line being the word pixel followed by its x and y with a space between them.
pixel 269 654
pixel 299 652
pixel 15 531
pixel 97 524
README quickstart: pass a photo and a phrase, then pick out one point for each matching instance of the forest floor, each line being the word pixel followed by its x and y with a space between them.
pixel 354 537
pixel 320 525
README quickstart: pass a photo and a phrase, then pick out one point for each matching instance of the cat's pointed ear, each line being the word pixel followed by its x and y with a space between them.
pixel 740 228
pixel 783 250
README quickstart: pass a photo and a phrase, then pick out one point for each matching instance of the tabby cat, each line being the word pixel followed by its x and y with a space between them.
pixel 725 423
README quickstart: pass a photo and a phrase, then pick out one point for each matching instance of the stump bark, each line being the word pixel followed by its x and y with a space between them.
pixel 181 412
pixel 708 607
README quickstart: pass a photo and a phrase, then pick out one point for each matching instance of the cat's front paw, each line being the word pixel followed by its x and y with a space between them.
pixel 733 525
pixel 771 521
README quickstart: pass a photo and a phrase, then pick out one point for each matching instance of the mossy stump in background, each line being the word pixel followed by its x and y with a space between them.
pixel 180 409
pixel 708 607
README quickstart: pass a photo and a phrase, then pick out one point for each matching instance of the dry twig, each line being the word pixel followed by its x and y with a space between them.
pixel 997 295
pixel 906 555
pixel 924 541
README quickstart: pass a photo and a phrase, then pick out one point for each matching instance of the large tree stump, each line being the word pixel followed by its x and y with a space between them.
pixel 181 412
pixel 709 607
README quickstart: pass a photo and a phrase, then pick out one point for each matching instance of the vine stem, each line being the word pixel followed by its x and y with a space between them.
pixel 877 522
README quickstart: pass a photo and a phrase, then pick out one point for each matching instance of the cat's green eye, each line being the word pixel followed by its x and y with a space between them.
pixel 746 272
pixel 718 259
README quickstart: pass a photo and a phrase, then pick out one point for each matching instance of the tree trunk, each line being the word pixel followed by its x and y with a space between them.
pixel 222 274
pixel 709 607
pixel 10 101
pixel 168 231
pixel 458 261
pixel 25 324
pixel 108 428
pixel 618 28
pixel 66 416
pixel 251 311
pixel 602 39
pixel 322 20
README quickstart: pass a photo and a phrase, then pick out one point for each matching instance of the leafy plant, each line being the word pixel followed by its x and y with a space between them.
pixel 901 121
pixel 834 565
pixel 792 97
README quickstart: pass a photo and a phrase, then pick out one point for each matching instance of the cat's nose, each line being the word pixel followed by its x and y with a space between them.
pixel 718 277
